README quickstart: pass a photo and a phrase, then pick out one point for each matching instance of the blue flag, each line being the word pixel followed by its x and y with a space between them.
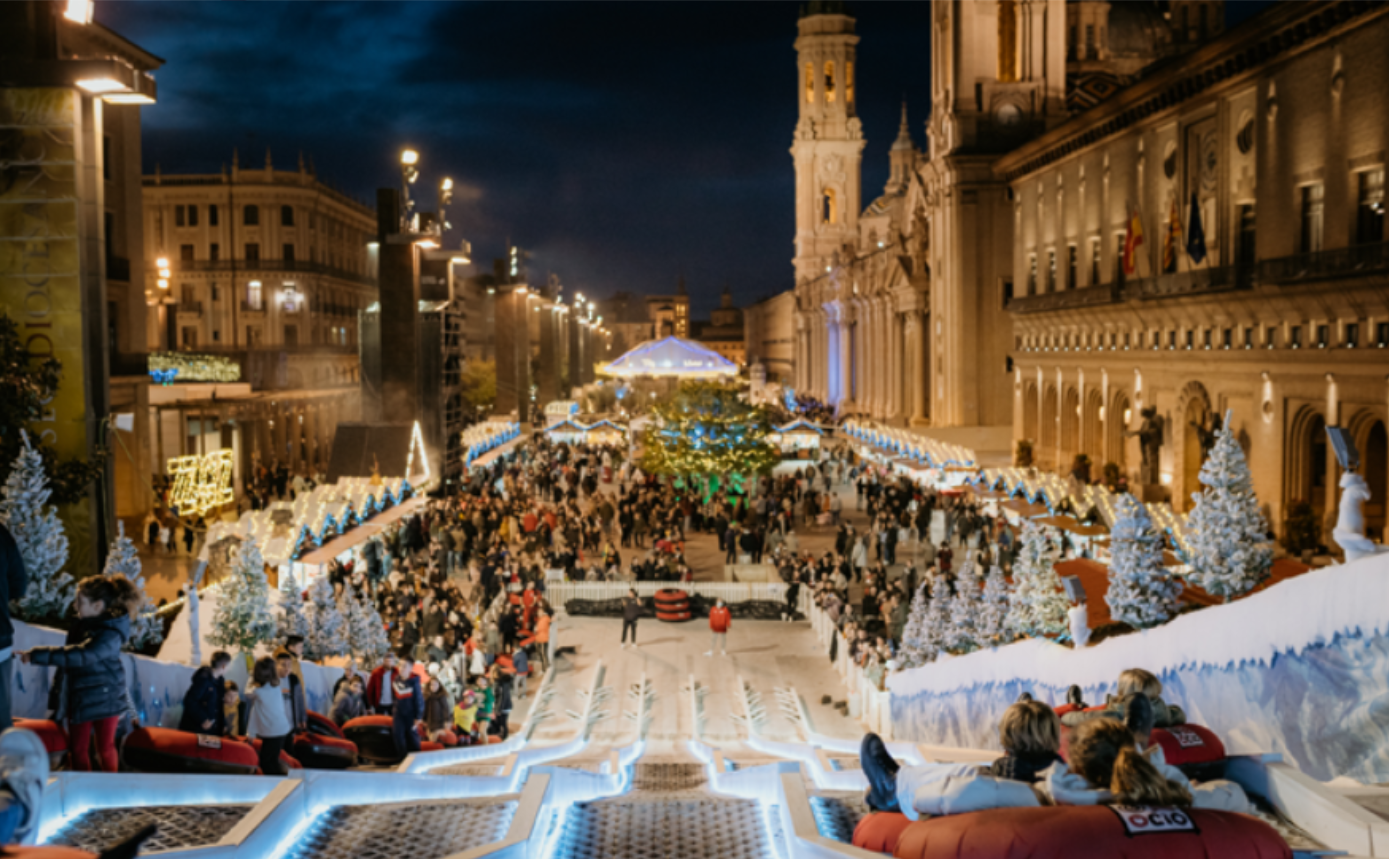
pixel 1195 235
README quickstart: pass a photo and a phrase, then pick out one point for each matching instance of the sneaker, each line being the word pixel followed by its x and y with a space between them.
pixel 24 770
pixel 881 770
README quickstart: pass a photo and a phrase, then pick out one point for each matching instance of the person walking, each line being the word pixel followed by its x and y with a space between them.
pixel 90 681
pixel 409 705
pixel 720 619
pixel 542 639
pixel 13 582
pixel 631 612
pixel 269 719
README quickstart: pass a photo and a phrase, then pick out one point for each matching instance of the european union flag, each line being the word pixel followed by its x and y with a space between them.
pixel 1195 235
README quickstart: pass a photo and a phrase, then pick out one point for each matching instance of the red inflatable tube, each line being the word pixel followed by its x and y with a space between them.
pixel 318 752
pixel 287 760
pixel 321 724
pixel 672 616
pixel 670 595
pixel 674 607
pixel 11 852
pixel 1066 832
pixel 164 750
pixel 880 831
pixel 54 738
pixel 375 741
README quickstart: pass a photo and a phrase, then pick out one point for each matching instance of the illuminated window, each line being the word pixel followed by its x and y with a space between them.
pixel 849 82
pixel 254 300
pixel 829 82
pixel 809 83
pixel 830 207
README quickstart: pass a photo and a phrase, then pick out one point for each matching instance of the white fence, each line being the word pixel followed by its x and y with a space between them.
pixel 869 704
pixel 559 593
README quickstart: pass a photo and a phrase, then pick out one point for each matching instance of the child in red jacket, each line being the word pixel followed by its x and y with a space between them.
pixel 720 619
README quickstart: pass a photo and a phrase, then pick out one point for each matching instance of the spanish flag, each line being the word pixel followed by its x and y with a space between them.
pixel 1132 239
pixel 1173 240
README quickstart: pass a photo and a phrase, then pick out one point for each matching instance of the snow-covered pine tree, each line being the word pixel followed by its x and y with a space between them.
pixel 366 634
pixel 1038 606
pixel 293 619
pixel 962 634
pixel 327 627
pixel 935 627
pixel 1142 593
pixel 243 617
pixel 1227 535
pixel 991 628
pixel 146 627
pixel 912 653
pixel 38 532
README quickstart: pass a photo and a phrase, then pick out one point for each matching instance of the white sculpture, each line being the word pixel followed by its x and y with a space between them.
pixel 1350 524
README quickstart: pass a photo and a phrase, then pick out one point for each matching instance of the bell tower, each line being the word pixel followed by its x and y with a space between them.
pixel 828 142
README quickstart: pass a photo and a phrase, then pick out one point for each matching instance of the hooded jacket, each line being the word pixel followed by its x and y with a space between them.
pixel 203 703
pixel 91 678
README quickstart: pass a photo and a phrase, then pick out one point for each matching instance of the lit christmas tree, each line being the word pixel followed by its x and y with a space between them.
pixel 366 634
pixel 327 627
pixel 38 532
pixel 706 434
pixel 1038 606
pixel 1229 552
pixel 243 618
pixel 991 628
pixel 1141 591
pixel 122 559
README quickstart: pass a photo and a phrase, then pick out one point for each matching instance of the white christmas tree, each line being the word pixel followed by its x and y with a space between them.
pixel 935 627
pixel 1038 607
pixel 991 627
pixel 327 627
pixel 366 634
pixel 1141 591
pixel 38 532
pixel 912 652
pixel 146 628
pixel 243 617
pixel 1227 537
pixel 960 632
pixel 293 619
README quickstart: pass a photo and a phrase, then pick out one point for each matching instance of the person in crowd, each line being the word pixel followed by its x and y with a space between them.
pixel 202 703
pixel 631 613
pixel 270 717
pixel 521 666
pixel 381 685
pixel 438 709
pixel 90 684
pixel 1132 681
pixel 293 650
pixel 465 717
pixel 543 622
pixel 349 702
pixel 720 619
pixel 294 692
pixel 409 705
pixel 233 710
pixel 14 581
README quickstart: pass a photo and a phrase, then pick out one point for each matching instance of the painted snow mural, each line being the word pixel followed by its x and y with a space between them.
pixel 1299 669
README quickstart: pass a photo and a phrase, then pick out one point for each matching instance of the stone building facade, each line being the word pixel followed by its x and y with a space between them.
pixel 769 335
pixel 1274 136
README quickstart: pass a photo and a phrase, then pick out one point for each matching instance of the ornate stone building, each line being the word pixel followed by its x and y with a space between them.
pixel 1274 137
pixel 900 305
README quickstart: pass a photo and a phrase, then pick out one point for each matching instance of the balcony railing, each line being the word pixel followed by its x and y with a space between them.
pixel 193 308
pixel 271 265
pixel 1195 282
pixel 248 307
pixel 1324 265
pixel 1090 296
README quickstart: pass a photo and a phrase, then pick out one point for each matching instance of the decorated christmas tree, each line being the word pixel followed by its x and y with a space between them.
pixel 293 619
pixel 707 434
pixel 1038 606
pixel 327 627
pixel 366 634
pixel 38 532
pixel 243 617
pixel 962 635
pixel 991 627
pixel 146 628
pixel 1228 551
pixel 1141 591
pixel 912 652
pixel 935 627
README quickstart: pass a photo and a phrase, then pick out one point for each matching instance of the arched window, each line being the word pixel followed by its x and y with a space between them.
pixel 829 204
pixel 809 83
pixel 849 82
pixel 829 82
pixel 1007 41
pixel 250 216
pixel 286 216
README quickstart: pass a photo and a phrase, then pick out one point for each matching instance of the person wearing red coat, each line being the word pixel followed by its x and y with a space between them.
pixel 720 619
pixel 380 693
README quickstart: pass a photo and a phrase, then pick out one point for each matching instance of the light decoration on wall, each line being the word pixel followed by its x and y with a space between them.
pixel 192 367
pixel 417 444
pixel 201 483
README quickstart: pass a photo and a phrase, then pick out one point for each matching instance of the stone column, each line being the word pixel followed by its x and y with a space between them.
pixel 919 372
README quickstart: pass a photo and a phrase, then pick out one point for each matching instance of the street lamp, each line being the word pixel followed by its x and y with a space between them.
pixel 408 174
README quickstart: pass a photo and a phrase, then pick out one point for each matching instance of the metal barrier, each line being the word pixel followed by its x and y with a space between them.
pixel 559 593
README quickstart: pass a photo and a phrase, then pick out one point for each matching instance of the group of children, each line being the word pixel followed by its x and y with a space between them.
pixel 1111 760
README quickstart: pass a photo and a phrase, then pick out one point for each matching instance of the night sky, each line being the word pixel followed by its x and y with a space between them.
pixel 621 144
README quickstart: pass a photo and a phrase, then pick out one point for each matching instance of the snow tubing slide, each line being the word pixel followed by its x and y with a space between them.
pixel 672 606
pixel 1113 832
pixel 375 741
pixel 54 738
pixel 165 750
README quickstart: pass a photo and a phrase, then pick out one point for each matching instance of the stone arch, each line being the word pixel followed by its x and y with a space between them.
pixel 1070 428
pixel 1306 477
pixel 1119 414
pixel 1371 436
pixel 1047 451
pixel 1193 411
pixel 1092 428
pixel 1029 413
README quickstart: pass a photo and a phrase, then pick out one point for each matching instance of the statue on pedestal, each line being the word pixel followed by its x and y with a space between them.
pixel 1150 434
pixel 1350 524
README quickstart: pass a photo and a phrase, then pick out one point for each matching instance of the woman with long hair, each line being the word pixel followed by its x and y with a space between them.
pixel 269 718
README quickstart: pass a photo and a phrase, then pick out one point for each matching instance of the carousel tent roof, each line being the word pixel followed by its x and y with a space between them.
pixel 671 357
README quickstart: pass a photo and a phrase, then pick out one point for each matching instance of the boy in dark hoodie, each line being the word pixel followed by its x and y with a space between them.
pixel 202 703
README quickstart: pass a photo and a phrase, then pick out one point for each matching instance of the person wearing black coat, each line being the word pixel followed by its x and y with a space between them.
pixel 202 704
pixel 409 705
pixel 90 684
pixel 13 582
